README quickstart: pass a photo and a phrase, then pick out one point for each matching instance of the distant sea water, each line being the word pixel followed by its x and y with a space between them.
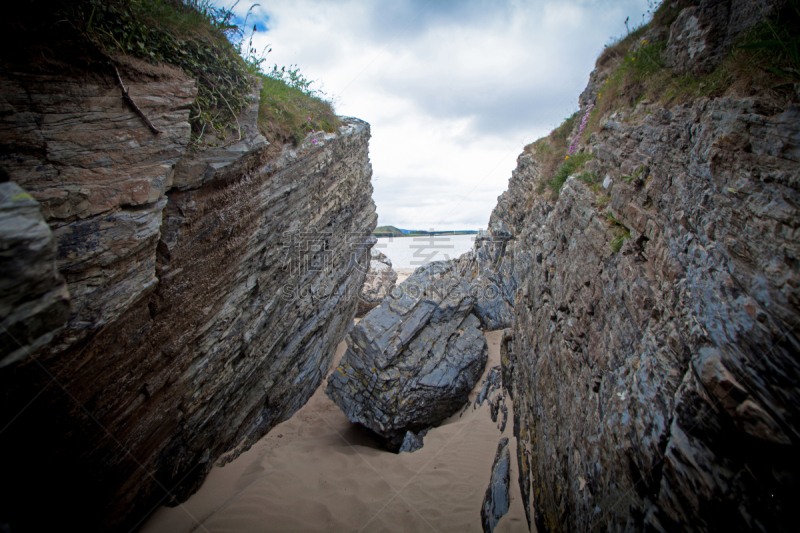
pixel 413 252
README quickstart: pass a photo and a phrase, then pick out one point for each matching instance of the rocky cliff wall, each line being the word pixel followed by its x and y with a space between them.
pixel 656 388
pixel 209 286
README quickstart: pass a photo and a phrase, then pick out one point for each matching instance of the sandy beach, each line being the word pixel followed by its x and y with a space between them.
pixel 319 472
pixel 402 274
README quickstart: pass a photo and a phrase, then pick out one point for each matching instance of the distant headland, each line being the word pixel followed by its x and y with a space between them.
pixel 391 231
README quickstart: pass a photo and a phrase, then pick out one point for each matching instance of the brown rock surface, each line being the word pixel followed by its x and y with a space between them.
pixel 209 289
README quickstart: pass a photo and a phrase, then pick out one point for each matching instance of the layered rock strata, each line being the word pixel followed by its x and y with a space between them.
pixel 380 281
pixel 489 267
pixel 34 301
pixel 656 388
pixel 210 284
pixel 659 386
pixel 412 361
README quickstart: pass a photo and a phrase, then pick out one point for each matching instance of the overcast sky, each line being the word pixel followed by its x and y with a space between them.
pixel 453 90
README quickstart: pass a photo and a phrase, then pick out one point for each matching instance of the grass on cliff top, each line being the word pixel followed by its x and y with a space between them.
pixel 289 110
pixel 205 42
pixel 765 61
pixel 191 34
pixel 550 151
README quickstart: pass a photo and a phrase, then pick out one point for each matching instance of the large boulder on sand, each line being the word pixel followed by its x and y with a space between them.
pixel 380 281
pixel 412 361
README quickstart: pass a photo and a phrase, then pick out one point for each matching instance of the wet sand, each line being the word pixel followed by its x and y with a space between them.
pixel 319 472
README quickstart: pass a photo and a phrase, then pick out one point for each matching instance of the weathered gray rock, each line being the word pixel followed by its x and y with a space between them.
pixel 34 301
pixel 496 501
pixel 490 271
pixel 380 281
pixel 209 288
pixel 412 361
pixel 658 388
pixel 702 35
pixel 641 375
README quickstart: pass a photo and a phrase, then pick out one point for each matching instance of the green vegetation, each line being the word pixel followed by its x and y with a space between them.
pixel 387 231
pixel 777 43
pixel 621 232
pixel 616 244
pixel 590 178
pixel 765 60
pixel 636 175
pixel 199 38
pixel 288 110
pixel 551 151
pixel 570 166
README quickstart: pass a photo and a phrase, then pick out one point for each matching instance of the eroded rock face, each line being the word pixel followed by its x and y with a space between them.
pixel 412 361
pixel 34 301
pixel 658 387
pixel 702 35
pixel 489 267
pixel 209 288
pixel 380 281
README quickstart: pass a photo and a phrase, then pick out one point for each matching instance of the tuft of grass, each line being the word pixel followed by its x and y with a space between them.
pixel 610 217
pixel 621 232
pixel 550 151
pixel 616 244
pixel 636 175
pixel 590 178
pixel 616 51
pixel 288 110
pixel 569 167
pixel 777 43
pixel 640 72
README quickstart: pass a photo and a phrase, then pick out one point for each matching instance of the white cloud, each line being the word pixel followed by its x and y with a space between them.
pixel 452 89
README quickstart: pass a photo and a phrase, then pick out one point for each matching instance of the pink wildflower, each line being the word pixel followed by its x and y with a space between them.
pixel 574 147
